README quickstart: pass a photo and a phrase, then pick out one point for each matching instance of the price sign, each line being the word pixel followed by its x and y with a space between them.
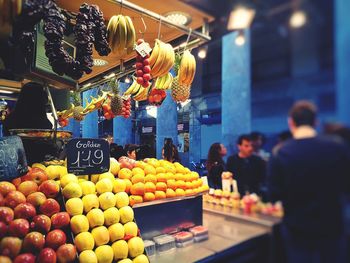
pixel 13 162
pixel 143 49
pixel 87 156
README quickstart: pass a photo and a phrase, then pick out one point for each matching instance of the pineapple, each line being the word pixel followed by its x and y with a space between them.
pixel 116 99
pixel 77 108
pixel 179 92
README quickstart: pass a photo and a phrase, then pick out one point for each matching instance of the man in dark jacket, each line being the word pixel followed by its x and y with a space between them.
pixel 247 169
pixel 309 174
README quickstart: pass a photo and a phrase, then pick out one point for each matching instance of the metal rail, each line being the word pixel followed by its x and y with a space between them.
pixel 161 18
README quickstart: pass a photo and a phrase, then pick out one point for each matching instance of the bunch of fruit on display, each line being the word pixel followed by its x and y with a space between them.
pixel 156 97
pixel 249 203
pixel 164 82
pixel 121 34
pixel 154 179
pixel 33 228
pixel 137 91
pixel 162 59
pixel 143 68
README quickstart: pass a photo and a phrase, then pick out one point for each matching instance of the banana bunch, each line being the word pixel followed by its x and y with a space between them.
pixel 164 82
pixel 95 103
pixel 137 92
pixel 65 114
pixel 162 59
pixel 187 69
pixel 121 34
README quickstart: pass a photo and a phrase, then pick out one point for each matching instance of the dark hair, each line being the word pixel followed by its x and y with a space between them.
pixel 303 113
pixel 130 147
pixel 285 135
pixel 254 136
pixel 214 155
pixel 244 137
pixel 170 151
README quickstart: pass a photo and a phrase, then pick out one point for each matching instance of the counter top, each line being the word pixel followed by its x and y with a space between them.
pixel 224 234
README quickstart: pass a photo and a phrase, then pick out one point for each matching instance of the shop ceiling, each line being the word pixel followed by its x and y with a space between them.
pixel 167 34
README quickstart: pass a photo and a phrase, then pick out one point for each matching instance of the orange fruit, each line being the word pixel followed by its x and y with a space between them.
pixel 160 195
pixel 189 192
pixel 125 173
pixel 160 186
pixel 172 184
pixel 170 193
pixel 137 170
pixel 189 185
pixel 162 177
pixel 149 169
pixel 138 178
pixel 151 178
pixel 149 197
pixel 160 170
pixel 137 189
pixel 128 185
pixel 181 184
pixel 180 192
pixel 135 199
pixel 150 187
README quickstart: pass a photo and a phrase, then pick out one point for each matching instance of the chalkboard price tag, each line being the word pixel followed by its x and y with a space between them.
pixel 87 156
pixel 13 162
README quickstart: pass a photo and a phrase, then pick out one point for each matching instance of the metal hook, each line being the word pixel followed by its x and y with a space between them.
pixel 160 24
pixel 145 27
pixel 121 6
pixel 188 38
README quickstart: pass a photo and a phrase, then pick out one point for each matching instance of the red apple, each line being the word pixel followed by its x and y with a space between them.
pixel 41 223
pixel 55 238
pixel 27 187
pixel 66 253
pixel 6 214
pixel 2 200
pixel 50 207
pixel 18 228
pixel 6 187
pixel 33 241
pixel 60 220
pixel 49 188
pixel 36 199
pixel 10 246
pixel 14 198
pixel 47 255
pixel 37 175
pixel 25 258
pixel 16 182
pixel 3 230
pixel 25 210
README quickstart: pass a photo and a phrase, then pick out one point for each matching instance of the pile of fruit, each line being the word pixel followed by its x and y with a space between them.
pixel 32 228
pixel 156 97
pixel 250 203
pixel 162 59
pixel 143 68
pixel 154 179
pixel 137 91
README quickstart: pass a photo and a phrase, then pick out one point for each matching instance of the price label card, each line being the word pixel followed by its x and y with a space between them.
pixel 143 49
pixel 87 156
pixel 13 162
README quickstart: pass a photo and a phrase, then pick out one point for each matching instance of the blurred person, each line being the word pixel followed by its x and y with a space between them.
pixel 116 151
pixel 130 150
pixel 215 165
pixel 282 138
pixel 247 169
pixel 339 130
pixel 169 151
pixel 258 141
pixel 310 175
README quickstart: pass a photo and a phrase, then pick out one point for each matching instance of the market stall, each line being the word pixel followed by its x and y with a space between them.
pixel 79 204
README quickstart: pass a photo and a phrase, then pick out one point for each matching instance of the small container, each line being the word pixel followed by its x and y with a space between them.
pixel 183 236
pixel 150 247
pixel 199 230
pixel 164 243
pixel 201 238
pixel 185 244
pixel 186 226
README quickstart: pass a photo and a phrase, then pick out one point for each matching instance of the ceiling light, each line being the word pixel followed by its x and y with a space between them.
pixel 202 52
pixel 152 111
pixel 240 39
pixel 240 18
pixel 100 62
pixel 127 80
pixel 179 18
pixel 6 91
pixel 298 19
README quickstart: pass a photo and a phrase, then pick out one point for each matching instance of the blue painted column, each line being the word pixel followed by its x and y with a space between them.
pixel 74 127
pixel 236 89
pixel 195 134
pixel 122 128
pixel 90 122
pixel 166 123
pixel 342 59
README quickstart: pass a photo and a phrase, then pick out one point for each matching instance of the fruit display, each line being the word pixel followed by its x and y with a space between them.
pixel 180 93
pixel 250 203
pixel 154 179
pixel 187 69
pixel 143 68
pixel 162 59
pixel 137 91
pixel 121 34
pixel 33 227
pixel 156 97
pixel 164 82
pixel 116 100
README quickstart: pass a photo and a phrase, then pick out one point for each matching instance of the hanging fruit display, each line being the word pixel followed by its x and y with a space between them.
pixel 156 97
pixel 77 108
pixel 187 68
pixel 121 34
pixel 143 68
pixel 164 82
pixel 162 59
pixel 180 93
pixel 137 92
pixel 126 110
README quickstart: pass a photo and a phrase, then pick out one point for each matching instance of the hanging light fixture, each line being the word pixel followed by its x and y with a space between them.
pixel 240 38
pixel 240 18
pixel 202 52
pixel 298 19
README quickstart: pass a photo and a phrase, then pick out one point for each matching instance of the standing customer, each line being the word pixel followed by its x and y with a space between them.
pixel 216 165
pixel 309 175
pixel 169 151
pixel 247 169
